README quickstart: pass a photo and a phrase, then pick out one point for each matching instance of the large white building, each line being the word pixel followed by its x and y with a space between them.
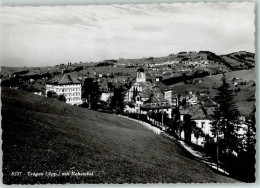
pixel 67 85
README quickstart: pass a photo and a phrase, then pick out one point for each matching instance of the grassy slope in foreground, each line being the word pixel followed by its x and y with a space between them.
pixel 46 135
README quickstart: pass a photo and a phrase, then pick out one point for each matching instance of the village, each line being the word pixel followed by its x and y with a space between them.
pixel 144 92
pixel 146 98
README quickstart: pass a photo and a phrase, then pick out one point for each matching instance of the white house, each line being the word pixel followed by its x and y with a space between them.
pixel 67 85
pixel 193 100
pixel 202 118
pixel 167 92
pixel 202 115
pixel 106 93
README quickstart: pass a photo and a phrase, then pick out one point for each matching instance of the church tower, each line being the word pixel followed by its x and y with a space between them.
pixel 140 75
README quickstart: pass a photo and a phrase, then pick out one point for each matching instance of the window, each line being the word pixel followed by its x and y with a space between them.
pixel 202 124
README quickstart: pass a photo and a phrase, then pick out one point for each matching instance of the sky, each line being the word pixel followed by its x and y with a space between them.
pixel 41 36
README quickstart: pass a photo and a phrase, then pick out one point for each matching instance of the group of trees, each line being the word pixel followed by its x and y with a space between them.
pixel 186 78
pixel 230 148
pixel 54 95
pixel 91 92
pixel 227 147
pixel 117 101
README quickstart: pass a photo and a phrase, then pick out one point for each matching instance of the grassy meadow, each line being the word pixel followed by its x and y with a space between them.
pixel 43 135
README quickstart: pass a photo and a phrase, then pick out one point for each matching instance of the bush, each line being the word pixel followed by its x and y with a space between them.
pixel 62 98
pixel 84 105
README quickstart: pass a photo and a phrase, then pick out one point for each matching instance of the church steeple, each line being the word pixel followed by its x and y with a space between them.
pixel 140 75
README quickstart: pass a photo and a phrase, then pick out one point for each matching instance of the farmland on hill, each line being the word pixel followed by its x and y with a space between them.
pixel 245 98
pixel 45 135
pixel 240 60
pixel 234 61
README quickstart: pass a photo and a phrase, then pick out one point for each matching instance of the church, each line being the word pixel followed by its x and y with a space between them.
pixel 144 96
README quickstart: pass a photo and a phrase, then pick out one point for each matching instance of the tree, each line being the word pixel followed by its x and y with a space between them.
pixel 247 156
pixel 135 93
pixel 250 142
pixel 62 98
pixel 188 126
pixel 118 100
pixel 52 94
pixel 91 92
pixel 197 132
pixel 225 119
pixel 176 127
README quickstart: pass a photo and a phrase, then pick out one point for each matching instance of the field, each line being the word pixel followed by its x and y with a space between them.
pixel 45 135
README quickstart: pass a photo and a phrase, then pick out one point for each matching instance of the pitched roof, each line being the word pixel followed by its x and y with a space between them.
pixel 155 99
pixel 208 102
pixel 195 111
pixel 156 102
pixel 63 79
pixel 147 92
pixel 161 86
pixel 209 111
pixel 143 84
pixel 104 86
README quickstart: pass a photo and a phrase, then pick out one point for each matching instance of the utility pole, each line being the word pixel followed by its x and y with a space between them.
pixel 217 149
pixel 162 120
pixel 138 111
pixel 89 103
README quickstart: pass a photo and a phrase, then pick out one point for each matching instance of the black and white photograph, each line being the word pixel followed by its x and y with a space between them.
pixel 128 93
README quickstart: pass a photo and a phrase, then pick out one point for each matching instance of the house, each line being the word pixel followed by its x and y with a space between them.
pixel 202 115
pixel 65 84
pixel 157 103
pixel 193 100
pixel 202 118
pixel 106 92
pixel 167 92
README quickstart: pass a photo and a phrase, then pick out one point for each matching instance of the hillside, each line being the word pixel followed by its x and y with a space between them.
pixel 240 60
pixel 45 135
pixel 233 61
pixel 244 99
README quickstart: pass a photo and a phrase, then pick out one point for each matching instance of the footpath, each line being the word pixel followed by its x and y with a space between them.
pixel 152 128
pixel 191 152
